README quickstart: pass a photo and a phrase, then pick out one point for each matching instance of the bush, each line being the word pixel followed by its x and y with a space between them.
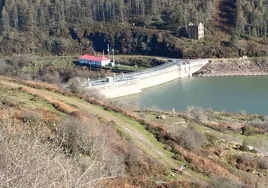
pixel 245 162
pixel 90 138
pixel 190 139
pixel 197 113
pixel 223 182
pixel 139 164
pixel 74 85
pixel 30 115
pixel 263 162
pixel 258 123
pixel 29 160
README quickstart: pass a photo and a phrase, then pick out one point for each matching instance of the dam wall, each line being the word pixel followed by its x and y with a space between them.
pixel 159 77
pixel 118 89
pixel 134 83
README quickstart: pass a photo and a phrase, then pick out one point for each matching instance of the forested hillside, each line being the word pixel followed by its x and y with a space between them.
pixel 130 26
pixel 27 14
pixel 252 17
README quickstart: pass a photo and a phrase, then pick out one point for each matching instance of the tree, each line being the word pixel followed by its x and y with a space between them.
pixel 121 9
pixel 23 19
pixel 29 159
pixel 14 17
pixel 5 21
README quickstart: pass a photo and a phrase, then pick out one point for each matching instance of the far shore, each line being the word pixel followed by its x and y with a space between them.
pixel 233 74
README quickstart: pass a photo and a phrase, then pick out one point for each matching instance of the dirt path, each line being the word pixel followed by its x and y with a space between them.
pixel 135 131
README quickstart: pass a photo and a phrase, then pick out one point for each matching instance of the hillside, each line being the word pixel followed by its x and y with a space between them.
pixel 89 142
pixel 147 27
pixel 53 136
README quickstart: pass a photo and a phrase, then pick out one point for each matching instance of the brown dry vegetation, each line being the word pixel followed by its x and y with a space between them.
pixel 61 106
pixel 74 153
pixel 206 165
pixel 82 135
pixel 29 158
pixel 203 165
pixel 190 150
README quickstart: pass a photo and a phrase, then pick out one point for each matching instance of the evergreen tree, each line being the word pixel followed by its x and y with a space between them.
pixel 5 21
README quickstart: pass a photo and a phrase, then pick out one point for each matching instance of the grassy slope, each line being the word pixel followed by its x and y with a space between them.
pixel 27 103
pixel 139 136
pixel 130 128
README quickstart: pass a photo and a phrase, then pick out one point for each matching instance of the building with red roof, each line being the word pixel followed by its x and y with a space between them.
pixel 94 61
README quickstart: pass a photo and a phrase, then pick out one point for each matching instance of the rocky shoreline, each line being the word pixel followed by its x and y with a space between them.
pixel 234 74
pixel 238 67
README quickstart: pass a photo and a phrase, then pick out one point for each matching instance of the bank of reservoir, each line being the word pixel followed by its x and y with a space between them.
pixel 235 93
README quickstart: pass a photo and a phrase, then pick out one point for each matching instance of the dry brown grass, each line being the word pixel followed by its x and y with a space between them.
pixel 61 106
pixel 37 84
pixel 29 159
pixel 141 182
pixel 49 116
pixel 206 165
pixel 47 86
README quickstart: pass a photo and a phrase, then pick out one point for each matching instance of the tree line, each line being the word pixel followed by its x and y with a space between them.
pixel 252 17
pixel 28 14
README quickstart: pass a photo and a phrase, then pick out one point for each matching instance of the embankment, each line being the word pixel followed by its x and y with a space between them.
pixel 234 67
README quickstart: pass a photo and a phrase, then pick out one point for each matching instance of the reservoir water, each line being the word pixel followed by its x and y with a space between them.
pixel 232 94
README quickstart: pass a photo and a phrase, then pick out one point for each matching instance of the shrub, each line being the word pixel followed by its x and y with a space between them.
pixel 88 137
pixel 223 182
pixel 197 113
pixel 6 68
pixel 245 162
pixel 51 77
pixel 74 85
pixel 28 159
pixel 139 164
pixel 263 162
pixel 190 139
pixel 258 123
pixel 30 115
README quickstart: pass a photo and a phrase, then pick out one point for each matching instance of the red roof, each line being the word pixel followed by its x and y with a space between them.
pixel 93 58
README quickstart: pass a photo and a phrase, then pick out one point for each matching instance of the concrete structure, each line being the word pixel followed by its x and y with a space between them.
pixel 94 61
pixel 196 31
pixel 132 83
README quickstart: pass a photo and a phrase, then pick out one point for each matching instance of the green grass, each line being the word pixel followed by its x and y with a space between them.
pixel 129 128
pixel 146 133
pixel 59 63
pixel 258 141
pixel 126 67
pixel 26 100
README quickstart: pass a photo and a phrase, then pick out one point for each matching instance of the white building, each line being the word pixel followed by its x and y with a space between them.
pixel 196 31
pixel 94 61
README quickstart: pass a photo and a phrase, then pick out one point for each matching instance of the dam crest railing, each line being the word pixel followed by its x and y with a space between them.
pixel 176 63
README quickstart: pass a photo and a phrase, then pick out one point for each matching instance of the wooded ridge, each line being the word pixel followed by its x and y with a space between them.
pixel 48 26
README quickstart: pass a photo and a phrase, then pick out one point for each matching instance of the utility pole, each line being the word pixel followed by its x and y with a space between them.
pixel 108 49
pixel 113 54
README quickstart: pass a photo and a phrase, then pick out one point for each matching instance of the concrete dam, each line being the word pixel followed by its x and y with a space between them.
pixel 132 83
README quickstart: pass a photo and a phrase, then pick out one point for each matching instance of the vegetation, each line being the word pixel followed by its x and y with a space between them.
pixel 53 136
pixel 110 144
pixel 29 159
pixel 148 27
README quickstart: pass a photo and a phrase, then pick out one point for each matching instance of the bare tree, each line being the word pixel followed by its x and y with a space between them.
pixel 28 159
